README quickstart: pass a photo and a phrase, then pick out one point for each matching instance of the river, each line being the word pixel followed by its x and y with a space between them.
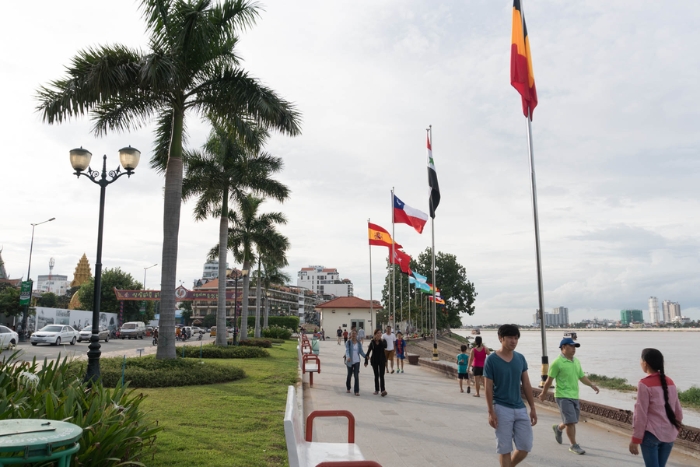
pixel 614 354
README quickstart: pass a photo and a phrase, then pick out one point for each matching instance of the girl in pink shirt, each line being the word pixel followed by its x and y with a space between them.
pixel 657 413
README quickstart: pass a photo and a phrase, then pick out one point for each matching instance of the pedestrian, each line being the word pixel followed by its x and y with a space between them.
pixel 566 370
pixel 361 335
pixel 377 357
pixel 505 370
pixel 345 336
pixel 657 412
pixel 323 335
pixel 339 332
pixel 463 368
pixel 389 351
pixel 353 352
pixel 477 357
pixel 400 348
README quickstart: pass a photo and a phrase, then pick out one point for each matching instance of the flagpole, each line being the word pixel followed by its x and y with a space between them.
pixel 371 301
pixel 432 231
pixel 409 306
pixel 401 299
pixel 391 262
pixel 533 185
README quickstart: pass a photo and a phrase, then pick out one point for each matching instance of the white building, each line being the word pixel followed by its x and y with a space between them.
pixel 324 281
pixel 211 270
pixel 346 313
pixel 653 310
pixel 558 317
pixel 671 310
pixel 53 283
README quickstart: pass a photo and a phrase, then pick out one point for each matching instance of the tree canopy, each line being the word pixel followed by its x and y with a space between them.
pixel 112 278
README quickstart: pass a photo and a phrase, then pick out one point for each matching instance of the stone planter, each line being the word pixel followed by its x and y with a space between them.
pixel 413 359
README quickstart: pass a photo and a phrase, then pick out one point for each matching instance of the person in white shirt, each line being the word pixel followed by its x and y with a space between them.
pixel 389 351
pixel 361 334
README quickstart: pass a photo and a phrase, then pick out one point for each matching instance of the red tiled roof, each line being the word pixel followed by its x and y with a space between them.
pixel 349 302
pixel 212 284
pixel 307 269
pixel 330 270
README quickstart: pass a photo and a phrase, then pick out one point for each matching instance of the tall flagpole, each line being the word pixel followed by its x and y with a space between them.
pixel 401 299
pixel 371 301
pixel 391 262
pixel 409 306
pixel 432 230
pixel 533 185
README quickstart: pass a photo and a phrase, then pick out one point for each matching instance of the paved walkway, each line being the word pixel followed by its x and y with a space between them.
pixel 425 420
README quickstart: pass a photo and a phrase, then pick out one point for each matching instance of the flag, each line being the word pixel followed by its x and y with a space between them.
pixel 438 300
pixel 432 182
pixel 521 75
pixel 423 286
pixel 405 214
pixel 380 237
pixel 419 277
pixel 403 260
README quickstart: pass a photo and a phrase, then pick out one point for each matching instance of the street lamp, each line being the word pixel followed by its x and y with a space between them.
pixel 80 160
pixel 144 275
pixel 241 273
pixel 29 269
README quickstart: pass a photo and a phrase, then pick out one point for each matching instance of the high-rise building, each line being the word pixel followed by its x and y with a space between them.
pixel 628 317
pixel 324 281
pixel 653 310
pixel 558 317
pixel 671 310
pixel 211 270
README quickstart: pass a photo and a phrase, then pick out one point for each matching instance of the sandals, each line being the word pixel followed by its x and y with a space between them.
pixel 383 393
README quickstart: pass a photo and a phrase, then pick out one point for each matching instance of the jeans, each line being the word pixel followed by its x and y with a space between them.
pixel 379 376
pixel 655 452
pixel 354 370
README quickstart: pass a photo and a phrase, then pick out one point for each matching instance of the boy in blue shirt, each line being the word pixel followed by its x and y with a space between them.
pixel 504 371
pixel 462 367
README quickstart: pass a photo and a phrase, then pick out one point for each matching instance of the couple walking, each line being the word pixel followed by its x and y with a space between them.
pixel 377 355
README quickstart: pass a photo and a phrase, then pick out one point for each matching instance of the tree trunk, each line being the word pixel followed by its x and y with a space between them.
pixel 244 302
pixel 222 334
pixel 257 300
pixel 267 307
pixel 171 225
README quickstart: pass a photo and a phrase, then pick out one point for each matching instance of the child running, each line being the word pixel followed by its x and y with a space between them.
pixel 400 346
pixel 657 413
pixel 462 368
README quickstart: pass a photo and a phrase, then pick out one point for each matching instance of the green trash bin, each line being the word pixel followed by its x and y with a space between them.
pixel 314 346
pixel 38 440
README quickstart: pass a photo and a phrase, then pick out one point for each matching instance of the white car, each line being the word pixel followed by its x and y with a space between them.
pixel 54 334
pixel 8 338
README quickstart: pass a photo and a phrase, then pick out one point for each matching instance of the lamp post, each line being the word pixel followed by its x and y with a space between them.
pixel 144 275
pixel 80 160
pixel 241 273
pixel 29 269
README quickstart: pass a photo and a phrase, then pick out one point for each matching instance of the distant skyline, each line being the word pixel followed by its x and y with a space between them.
pixel 615 144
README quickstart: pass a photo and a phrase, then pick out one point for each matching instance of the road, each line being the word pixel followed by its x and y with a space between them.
pixel 113 348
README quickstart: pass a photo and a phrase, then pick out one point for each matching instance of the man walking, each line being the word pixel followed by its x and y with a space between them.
pixel 505 370
pixel 566 370
pixel 340 334
pixel 389 351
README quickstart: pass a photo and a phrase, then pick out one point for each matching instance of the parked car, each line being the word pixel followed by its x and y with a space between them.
pixel 54 334
pixel 8 337
pixel 133 329
pixel 196 330
pixel 86 333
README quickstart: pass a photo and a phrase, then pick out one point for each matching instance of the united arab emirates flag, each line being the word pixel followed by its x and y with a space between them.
pixel 433 182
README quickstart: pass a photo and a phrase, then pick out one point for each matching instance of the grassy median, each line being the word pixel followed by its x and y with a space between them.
pixel 228 424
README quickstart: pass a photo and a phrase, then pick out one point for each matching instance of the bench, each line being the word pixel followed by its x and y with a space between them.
pixel 310 364
pixel 303 452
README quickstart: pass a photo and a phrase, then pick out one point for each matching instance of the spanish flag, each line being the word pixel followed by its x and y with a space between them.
pixel 521 75
pixel 380 237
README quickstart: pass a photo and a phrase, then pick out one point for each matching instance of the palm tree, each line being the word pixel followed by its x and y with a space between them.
pixel 190 67
pixel 272 251
pixel 251 232
pixel 225 171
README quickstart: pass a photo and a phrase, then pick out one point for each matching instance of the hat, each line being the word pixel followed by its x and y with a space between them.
pixel 568 341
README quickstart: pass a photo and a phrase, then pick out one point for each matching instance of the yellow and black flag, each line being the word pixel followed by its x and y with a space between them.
pixel 521 75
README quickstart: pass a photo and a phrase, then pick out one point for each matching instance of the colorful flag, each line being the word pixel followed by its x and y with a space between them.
pixel 419 277
pixel 423 286
pixel 403 260
pixel 522 76
pixel 432 182
pixel 405 214
pixel 438 300
pixel 380 237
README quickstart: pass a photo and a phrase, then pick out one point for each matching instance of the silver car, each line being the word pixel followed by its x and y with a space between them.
pixel 54 334
pixel 86 333
pixel 8 338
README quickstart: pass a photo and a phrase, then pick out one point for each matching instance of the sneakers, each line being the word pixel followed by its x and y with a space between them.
pixel 557 434
pixel 576 449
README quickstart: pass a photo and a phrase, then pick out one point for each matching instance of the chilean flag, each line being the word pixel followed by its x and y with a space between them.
pixel 405 214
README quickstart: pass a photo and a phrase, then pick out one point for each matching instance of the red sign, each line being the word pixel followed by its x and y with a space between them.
pixel 181 295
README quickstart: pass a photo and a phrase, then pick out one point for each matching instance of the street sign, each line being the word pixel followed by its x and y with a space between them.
pixel 25 293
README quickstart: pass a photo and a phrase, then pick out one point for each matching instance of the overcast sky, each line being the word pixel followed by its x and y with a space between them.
pixel 615 142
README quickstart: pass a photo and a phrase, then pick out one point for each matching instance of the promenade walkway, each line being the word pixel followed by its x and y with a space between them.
pixel 425 421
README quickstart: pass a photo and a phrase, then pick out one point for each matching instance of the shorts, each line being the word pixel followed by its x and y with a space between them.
pixel 401 356
pixel 570 409
pixel 513 426
pixel 478 370
pixel 463 375
pixel 389 354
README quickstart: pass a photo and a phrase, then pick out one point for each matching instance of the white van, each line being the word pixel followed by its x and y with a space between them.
pixel 135 329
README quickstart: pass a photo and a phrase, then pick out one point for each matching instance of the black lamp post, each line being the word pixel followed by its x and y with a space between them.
pixel 80 160
pixel 29 269
pixel 242 273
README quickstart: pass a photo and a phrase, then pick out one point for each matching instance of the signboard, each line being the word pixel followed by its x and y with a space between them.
pixel 25 293
pixel 181 295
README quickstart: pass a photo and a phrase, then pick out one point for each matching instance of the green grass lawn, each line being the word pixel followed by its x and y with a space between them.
pixel 229 424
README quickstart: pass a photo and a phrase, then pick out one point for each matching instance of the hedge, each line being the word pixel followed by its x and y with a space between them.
pixel 291 322
pixel 214 351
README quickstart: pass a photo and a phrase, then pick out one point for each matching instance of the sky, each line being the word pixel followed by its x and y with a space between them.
pixel 615 142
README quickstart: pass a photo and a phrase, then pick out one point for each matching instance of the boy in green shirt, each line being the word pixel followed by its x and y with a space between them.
pixel 566 370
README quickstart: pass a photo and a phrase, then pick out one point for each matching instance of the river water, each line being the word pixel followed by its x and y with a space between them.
pixel 614 354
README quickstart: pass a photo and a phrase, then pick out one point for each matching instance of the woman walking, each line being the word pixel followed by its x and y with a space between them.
pixel 477 357
pixel 657 413
pixel 353 352
pixel 376 356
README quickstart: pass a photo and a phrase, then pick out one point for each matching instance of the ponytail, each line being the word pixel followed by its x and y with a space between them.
pixel 655 360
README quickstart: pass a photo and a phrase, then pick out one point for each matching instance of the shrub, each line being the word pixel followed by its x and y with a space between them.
pixel 277 332
pixel 256 342
pixel 690 397
pixel 115 431
pixel 620 384
pixel 291 322
pixel 213 351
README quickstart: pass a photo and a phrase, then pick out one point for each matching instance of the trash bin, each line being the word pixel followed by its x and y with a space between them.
pixel 314 346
